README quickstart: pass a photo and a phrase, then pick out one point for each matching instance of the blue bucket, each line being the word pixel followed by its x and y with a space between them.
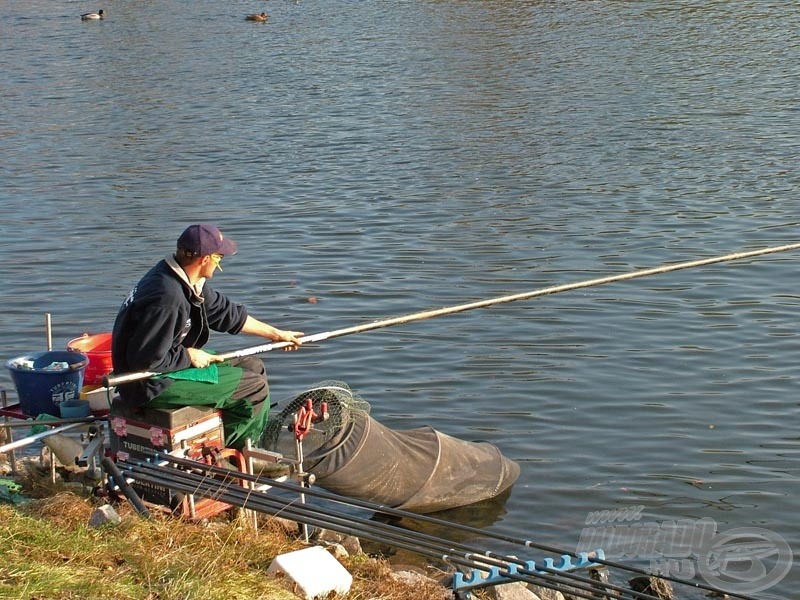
pixel 46 379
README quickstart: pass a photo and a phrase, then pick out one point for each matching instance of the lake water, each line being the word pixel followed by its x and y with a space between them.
pixel 376 159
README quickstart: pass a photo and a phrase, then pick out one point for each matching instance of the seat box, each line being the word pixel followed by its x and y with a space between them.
pixel 188 431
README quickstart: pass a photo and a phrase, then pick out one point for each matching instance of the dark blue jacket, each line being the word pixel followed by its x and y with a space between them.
pixel 159 320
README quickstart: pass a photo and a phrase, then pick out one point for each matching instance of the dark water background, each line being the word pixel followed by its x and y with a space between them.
pixel 384 158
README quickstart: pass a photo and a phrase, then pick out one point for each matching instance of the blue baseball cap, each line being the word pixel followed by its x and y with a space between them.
pixel 204 240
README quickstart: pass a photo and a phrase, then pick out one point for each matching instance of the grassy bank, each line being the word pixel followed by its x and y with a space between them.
pixel 49 551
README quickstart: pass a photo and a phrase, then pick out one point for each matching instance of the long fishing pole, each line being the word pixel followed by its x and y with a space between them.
pixel 112 380
pixel 402 514
pixel 420 543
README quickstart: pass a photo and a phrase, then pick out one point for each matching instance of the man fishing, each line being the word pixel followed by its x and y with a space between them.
pixel 166 320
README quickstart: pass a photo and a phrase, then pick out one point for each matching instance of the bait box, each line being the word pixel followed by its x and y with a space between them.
pixel 189 432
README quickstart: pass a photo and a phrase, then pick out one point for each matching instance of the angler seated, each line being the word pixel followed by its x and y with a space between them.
pixel 164 324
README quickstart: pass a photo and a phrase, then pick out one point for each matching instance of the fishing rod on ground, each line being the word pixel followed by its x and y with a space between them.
pixel 47 422
pixel 37 437
pixel 113 380
pixel 452 552
pixel 402 514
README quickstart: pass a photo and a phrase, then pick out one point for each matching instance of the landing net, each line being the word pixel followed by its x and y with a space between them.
pixel 344 407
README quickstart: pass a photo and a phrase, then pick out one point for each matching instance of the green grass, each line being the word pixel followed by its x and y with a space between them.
pixel 48 551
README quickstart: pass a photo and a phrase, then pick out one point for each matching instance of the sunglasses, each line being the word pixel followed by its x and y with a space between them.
pixel 217 258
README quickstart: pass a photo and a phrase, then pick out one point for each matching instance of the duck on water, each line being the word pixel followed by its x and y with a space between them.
pixel 93 16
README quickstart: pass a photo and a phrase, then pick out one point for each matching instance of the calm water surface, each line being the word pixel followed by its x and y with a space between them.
pixel 383 158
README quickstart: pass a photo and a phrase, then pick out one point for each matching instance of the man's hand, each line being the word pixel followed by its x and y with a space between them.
pixel 201 359
pixel 254 326
pixel 291 337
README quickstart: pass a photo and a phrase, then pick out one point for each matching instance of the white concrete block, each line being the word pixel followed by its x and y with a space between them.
pixel 313 570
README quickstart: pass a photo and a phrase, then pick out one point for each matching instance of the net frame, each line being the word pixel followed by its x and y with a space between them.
pixel 344 407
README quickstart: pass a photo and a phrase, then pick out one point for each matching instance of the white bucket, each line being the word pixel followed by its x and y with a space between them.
pixel 98 397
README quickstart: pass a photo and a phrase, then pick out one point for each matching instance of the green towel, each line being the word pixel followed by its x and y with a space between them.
pixel 208 374
pixel 41 428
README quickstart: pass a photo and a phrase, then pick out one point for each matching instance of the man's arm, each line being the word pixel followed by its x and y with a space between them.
pixel 256 327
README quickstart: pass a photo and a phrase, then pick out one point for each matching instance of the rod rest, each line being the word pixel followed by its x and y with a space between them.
pixel 494 576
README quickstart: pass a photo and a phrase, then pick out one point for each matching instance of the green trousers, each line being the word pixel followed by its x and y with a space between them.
pixel 241 392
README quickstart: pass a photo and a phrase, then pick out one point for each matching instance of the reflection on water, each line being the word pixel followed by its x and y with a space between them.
pixel 388 158
pixel 478 515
